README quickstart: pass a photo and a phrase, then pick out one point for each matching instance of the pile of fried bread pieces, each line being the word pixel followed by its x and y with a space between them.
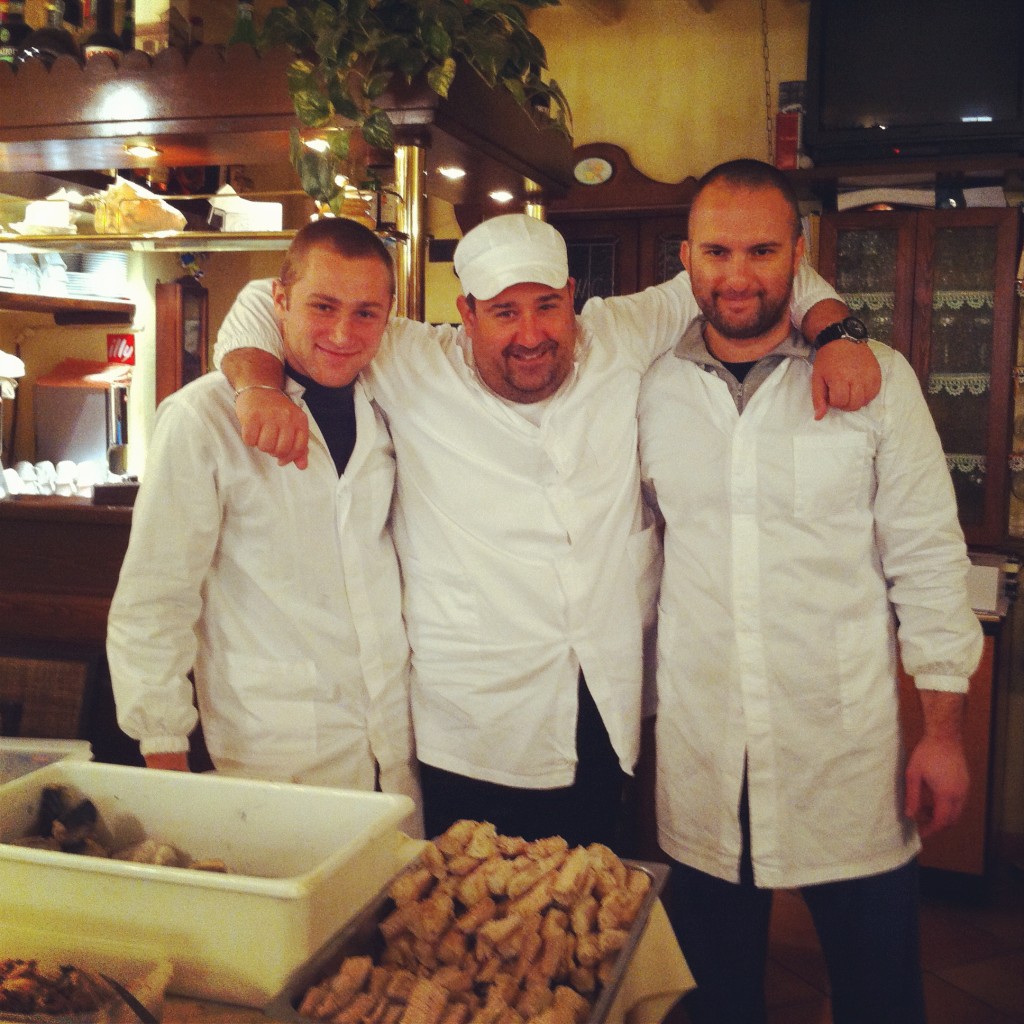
pixel 490 929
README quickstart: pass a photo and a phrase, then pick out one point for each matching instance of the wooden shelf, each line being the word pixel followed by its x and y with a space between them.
pixel 179 241
pixel 66 311
pixel 232 106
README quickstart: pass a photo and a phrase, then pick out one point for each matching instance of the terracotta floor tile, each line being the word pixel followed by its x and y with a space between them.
pixel 953 937
pixel 997 981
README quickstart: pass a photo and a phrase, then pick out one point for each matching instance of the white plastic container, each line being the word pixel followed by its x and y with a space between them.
pixel 304 859
pixel 21 755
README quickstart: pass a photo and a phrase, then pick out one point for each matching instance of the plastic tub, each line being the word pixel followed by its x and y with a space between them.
pixel 304 860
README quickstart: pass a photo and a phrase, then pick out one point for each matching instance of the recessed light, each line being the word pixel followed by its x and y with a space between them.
pixel 452 173
pixel 318 144
pixel 502 195
pixel 142 149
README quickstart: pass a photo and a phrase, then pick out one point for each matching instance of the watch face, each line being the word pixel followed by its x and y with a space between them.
pixel 855 328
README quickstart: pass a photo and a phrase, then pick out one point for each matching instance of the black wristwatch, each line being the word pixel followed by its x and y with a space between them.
pixel 851 328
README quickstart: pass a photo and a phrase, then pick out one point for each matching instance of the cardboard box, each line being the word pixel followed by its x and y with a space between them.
pixel 305 860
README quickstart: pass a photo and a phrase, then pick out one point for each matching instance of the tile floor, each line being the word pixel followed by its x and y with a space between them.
pixel 972 953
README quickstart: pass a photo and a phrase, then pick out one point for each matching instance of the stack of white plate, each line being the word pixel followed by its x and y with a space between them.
pixel 80 284
pixel 107 273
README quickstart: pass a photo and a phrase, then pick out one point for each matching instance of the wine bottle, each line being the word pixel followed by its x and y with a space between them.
pixel 13 30
pixel 74 16
pixel 50 41
pixel 128 26
pixel 103 39
pixel 244 30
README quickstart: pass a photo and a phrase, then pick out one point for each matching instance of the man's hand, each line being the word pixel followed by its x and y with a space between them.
pixel 172 762
pixel 274 424
pixel 269 419
pixel 937 777
pixel 846 376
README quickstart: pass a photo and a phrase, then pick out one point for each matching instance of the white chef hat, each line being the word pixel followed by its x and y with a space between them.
pixel 507 250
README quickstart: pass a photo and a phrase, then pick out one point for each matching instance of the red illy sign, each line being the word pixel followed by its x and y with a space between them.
pixel 121 349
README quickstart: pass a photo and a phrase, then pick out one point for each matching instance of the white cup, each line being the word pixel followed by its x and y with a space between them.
pixel 27 474
pixel 46 476
pixel 65 479
pixel 13 482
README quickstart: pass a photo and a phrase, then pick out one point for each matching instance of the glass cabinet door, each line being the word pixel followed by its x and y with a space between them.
pixel 966 262
pixel 869 257
pixel 938 286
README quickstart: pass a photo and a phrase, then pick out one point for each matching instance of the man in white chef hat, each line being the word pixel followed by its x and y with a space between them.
pixel 279 589
pixel 529 564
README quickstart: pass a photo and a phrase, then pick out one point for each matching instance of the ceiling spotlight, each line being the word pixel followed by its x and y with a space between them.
pixel 142 149
pixel 502 195
pixel 452 173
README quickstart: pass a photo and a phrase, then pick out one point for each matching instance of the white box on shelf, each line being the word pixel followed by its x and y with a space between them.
pixel 20 755
pixel 304 861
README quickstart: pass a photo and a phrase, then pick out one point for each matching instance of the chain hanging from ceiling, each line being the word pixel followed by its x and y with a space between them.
pixel 768 134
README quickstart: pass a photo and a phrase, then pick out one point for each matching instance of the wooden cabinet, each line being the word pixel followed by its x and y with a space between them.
pixel 938 285
pixel 181 334
pixel 964 847
pixel 623 230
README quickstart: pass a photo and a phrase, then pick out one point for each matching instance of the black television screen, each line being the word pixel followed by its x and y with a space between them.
pixel 891 78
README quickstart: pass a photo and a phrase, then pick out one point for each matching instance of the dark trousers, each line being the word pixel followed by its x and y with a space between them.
pixel 588 811
pixel 868 929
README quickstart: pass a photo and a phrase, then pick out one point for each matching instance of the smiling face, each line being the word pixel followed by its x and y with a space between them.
pixel 333 314
pixel 524 339
pixel 742 253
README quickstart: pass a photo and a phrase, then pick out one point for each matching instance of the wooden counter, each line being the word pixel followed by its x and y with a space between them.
pixel 59 563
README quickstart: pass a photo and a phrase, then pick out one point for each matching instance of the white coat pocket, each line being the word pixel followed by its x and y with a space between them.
pixel 831 474
pixel 271 714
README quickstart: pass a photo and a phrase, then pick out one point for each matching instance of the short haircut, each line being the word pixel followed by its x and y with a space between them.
pixel 346 237
pixel 752 174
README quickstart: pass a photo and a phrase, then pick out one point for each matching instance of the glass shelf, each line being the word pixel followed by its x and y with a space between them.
pixel 178 241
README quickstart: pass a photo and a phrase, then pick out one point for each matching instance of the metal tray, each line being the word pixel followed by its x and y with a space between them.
pixel 361 937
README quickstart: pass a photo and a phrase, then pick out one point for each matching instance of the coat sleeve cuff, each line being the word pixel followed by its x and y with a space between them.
pixel 164 745
pixel 944 684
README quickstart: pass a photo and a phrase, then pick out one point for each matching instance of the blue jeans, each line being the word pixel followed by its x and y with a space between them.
pixel 868 929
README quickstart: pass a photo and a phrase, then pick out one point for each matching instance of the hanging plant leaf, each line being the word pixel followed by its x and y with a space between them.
pixel 378 131
pixel 440 78
pixel 348 52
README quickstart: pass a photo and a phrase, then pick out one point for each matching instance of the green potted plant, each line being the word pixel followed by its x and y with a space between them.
pixel 348 52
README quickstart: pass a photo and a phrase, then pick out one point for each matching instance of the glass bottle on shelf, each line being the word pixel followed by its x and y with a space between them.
pixel 52 40
pixel 103 40
pixel 244 30
pixel 13 29
pixel 128 26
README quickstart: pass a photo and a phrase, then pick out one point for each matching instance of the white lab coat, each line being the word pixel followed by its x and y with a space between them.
pixel 794 551
pixel 280 587
pixel 526 553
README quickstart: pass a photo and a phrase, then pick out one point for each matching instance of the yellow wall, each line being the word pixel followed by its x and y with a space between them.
pixel 678 84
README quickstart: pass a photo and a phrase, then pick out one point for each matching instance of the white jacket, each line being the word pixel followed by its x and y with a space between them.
pixel 286 602
pixel 795 552
pixel 525 551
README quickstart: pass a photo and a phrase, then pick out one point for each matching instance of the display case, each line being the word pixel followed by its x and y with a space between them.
pixel 938 285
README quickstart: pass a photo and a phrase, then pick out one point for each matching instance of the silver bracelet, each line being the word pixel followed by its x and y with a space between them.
pixel 254 387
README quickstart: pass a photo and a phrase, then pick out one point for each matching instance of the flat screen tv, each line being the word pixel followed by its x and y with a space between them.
pixel 913 78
